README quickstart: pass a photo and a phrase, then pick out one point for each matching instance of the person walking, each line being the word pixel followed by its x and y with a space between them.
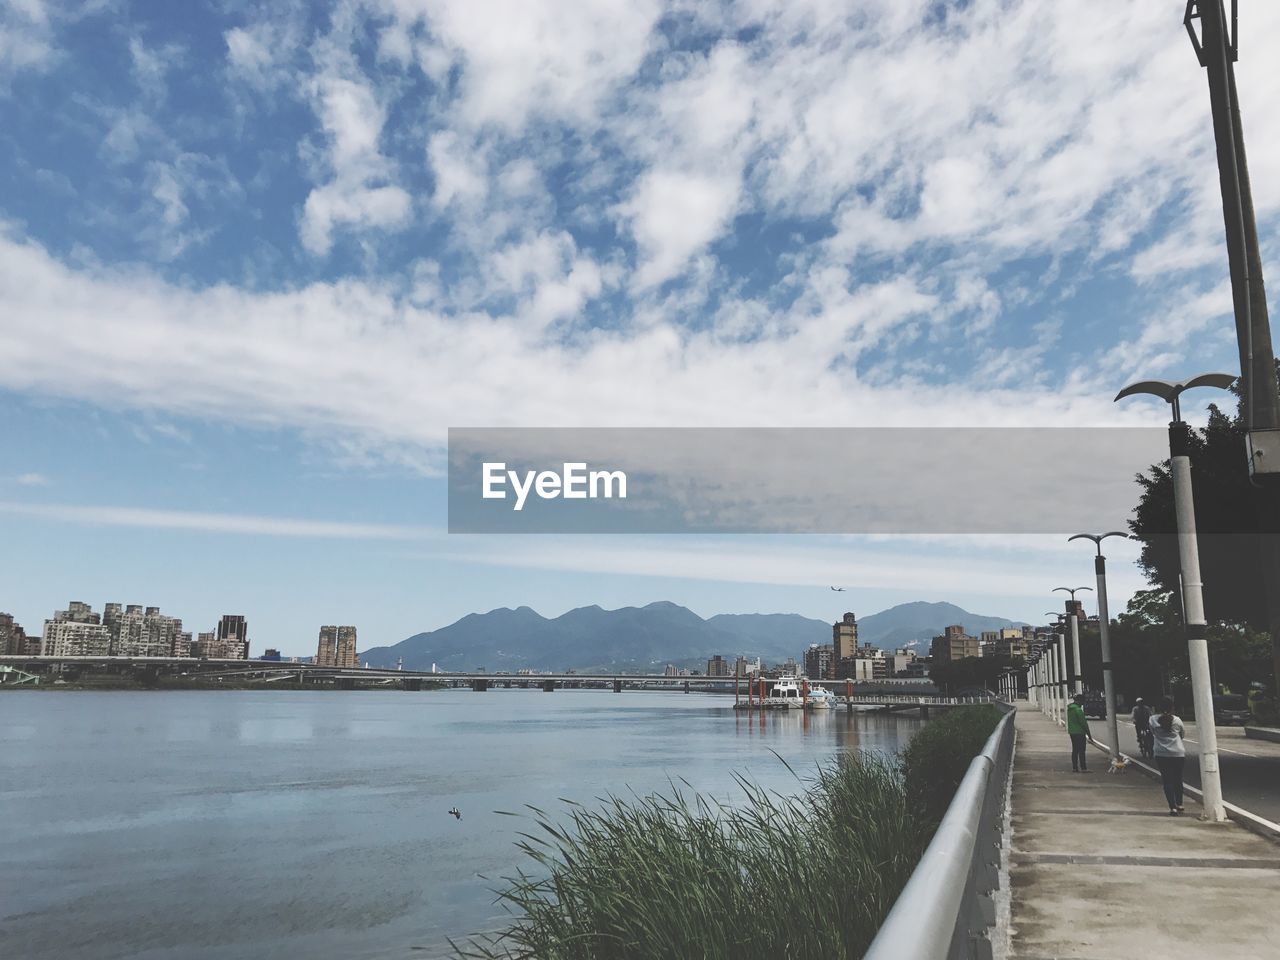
pixel 1171 753
pixel 1078 730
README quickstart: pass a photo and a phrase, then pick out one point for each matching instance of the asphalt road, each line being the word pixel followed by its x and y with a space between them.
pixel 1250 768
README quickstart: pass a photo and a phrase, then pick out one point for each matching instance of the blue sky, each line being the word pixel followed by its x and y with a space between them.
pixel 257 258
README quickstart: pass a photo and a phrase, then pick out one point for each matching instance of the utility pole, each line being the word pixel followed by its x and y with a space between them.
pixel 1217 49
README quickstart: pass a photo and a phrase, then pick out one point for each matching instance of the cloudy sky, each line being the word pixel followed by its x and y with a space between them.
pixel 257 258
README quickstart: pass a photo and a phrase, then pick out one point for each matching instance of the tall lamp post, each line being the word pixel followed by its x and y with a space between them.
pixel 1060 686
pixel 1104 635
pixel 1189 556
pixel 1077 676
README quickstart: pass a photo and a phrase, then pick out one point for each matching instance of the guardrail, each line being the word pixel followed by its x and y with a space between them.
pixel 947 907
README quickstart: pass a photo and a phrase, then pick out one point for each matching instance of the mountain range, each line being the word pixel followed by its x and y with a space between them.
pixel 645 639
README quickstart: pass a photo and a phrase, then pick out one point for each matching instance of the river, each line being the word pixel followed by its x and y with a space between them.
pixel 216 825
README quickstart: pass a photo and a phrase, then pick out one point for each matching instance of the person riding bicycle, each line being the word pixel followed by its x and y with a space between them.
pixel 1142 725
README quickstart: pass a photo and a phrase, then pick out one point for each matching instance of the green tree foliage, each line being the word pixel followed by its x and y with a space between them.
pixel 1226 519
pixel 971 673
pixel 1149 653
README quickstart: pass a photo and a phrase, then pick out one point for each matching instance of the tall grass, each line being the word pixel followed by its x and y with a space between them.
pixel 684 876
pixel 681 875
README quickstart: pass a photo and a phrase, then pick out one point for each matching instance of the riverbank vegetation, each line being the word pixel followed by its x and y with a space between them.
pixel 683 875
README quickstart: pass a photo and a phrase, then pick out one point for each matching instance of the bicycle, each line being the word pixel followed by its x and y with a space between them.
pixel 1146 743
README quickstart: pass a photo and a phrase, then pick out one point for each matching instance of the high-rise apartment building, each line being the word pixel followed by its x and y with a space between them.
pixel 718 666
pixel 13 639
pixel 327 648
pixel 844 637
pixel 233 637
pixel 75 632
pixel 347 648
pixel 139 632
pixel 818 661
pixel 204 642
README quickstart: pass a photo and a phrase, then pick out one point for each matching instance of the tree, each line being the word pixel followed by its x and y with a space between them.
pixel 957 675
pixel 1230 536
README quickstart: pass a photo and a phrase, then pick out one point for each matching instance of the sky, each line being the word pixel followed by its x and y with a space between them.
pixel 257 258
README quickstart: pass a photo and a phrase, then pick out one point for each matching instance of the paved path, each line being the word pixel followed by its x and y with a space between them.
pixel 1099 869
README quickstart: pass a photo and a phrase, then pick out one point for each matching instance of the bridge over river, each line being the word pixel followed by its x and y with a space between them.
pixel 749 691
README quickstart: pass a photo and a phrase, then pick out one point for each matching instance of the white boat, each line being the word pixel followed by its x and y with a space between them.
pixel 790 693
pixel 820 698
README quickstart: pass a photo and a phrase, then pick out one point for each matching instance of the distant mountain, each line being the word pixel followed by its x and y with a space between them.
pixel 633 639
pixel 919 621
pixel 645 639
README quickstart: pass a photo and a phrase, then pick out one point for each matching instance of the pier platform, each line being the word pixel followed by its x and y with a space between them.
pixel 1098 869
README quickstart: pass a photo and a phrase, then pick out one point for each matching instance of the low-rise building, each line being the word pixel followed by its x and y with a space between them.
pixel 953 644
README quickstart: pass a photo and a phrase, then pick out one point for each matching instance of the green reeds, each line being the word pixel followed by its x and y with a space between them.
pixel 679 875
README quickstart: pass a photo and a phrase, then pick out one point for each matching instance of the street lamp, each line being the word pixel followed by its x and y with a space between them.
pixel 1077 674
pixel 1189 557
pixel 1060 690
pixel 1104 634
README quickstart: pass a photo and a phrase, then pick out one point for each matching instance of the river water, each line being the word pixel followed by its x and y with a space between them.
pixel 230 824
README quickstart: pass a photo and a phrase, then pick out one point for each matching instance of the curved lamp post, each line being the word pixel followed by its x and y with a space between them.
pixel 1189 557
pixel 1077 675
pixel 1104 634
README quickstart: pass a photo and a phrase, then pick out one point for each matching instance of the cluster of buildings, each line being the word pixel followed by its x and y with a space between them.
pixel 123 630
pixel 132 630
pixel 846 658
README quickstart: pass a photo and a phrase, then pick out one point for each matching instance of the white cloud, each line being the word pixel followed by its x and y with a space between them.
pixel 673 215
pixel 524 58
pixel 31 480
pixel 361 193
pixel 26 37
pixel 144 518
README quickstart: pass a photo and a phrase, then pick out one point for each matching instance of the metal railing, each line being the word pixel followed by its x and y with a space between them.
pixel 947 907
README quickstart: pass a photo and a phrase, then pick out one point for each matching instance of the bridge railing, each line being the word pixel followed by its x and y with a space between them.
pixel 947 908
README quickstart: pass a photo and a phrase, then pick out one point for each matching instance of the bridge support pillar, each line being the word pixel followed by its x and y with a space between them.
pixel 548 686
pixel 479 685
pixel 617 686
pixel 345 683
pixel 924 713
pixel 413 684
pixel 686 686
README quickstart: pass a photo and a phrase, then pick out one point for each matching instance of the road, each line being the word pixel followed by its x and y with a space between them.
pixel 1250 768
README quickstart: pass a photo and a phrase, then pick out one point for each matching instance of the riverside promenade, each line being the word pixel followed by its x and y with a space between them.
pixel 1099 870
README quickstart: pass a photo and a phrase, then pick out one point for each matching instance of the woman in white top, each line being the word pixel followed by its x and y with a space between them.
pixel 1171 754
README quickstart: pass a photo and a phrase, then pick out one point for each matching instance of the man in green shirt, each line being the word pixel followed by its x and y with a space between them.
pixel 1078 729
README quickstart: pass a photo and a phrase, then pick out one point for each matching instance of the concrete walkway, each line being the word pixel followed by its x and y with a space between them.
pixel 1098 869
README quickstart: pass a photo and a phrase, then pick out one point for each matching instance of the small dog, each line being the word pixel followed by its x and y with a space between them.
pixel 1119 765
